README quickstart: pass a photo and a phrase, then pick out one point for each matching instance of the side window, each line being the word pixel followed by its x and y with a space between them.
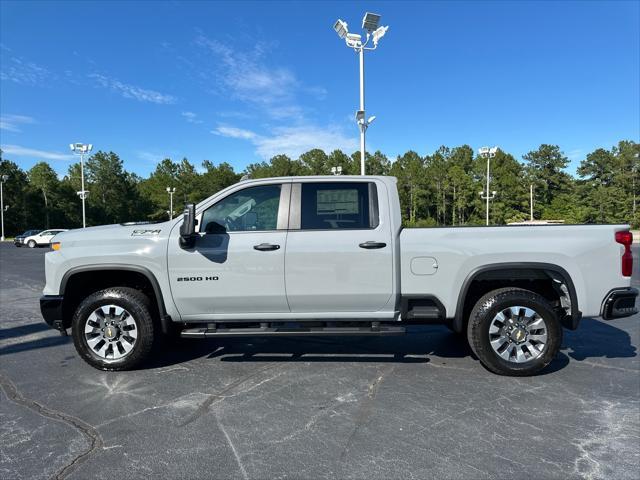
pixel 251 209
pixel 338 205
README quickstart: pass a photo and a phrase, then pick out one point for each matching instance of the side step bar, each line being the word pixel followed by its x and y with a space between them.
pixel 291 332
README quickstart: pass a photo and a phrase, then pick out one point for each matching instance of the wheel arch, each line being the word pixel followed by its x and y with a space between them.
pixel 157 300
pixel 505 271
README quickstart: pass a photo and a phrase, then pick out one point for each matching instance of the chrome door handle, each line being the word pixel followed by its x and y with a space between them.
pixel 266 247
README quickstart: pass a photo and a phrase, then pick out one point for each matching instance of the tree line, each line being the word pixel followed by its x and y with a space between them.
pixel 439 189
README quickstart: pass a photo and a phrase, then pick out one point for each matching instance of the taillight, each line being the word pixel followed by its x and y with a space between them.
pixel 626 239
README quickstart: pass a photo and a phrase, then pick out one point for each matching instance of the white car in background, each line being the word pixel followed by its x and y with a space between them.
pixel 42 239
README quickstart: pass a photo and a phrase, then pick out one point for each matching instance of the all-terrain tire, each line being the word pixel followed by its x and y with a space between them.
pixel 483 316
pixel 137 306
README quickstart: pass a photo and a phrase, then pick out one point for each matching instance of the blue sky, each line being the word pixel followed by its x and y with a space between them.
pixel 241 81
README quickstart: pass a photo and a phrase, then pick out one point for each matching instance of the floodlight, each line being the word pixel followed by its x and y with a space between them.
pixel 90 147
pixel 483 150
pixel 378 34
pixel 4 178
pixel 360 116
pixel 353 39
pixel 493 149
pixel 341 28
pixel 370 21
pixel 371 119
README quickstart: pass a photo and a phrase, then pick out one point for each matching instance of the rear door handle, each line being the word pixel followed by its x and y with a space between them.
pixel 371 245
pixel 265 247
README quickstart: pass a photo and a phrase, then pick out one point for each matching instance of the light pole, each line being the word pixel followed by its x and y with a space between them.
pixel 353 40
pixel 3 179
pixel 488 153
pixel 171 191
pixel 531 201
pixel 82 149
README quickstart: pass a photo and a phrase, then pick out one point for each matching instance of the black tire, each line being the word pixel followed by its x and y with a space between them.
pixel 491 305
pixel 138 306
pixel 32 244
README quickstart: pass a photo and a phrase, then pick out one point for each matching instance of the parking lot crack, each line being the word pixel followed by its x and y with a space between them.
pixel 233 449
pixel 92 435
pixel 365 409
pixel 221 395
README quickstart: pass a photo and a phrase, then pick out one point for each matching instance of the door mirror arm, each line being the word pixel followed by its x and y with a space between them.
pixel 188 233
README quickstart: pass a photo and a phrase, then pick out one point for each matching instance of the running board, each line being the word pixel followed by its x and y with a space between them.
pixel 291 332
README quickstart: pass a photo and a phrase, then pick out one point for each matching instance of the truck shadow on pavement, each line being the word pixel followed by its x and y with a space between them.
pixel 420 345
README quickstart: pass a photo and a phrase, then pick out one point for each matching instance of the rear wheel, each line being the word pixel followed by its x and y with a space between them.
pixel 32 244
pixel 113 329
pixel 514 331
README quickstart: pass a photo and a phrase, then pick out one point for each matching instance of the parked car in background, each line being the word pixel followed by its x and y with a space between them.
pixel 19 240
pixel 42 239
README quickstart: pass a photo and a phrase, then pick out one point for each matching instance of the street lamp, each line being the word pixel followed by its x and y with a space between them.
pixel 3 178
pixel 336 170
pixel 374 33
pixel 488 153
pixel 82 149
pixel 171 191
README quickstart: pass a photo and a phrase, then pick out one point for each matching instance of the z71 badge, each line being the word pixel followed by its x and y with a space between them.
pixel 140 233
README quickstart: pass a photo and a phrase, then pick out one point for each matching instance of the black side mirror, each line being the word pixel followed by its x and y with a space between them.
pixel 188 228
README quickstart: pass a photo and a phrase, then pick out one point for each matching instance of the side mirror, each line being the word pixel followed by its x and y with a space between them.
pixel 188 227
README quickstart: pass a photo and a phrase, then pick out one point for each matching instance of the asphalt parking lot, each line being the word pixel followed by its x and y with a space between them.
pixel 416 406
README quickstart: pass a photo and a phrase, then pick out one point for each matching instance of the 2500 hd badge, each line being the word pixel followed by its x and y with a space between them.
pixel 196 279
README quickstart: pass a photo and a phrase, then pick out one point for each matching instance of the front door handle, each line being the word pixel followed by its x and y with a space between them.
pixel 371 245
pixel 266 247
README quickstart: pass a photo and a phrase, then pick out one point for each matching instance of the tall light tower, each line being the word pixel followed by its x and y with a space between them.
pixel 171 191
pixel 3 178
pixel 353 40
pixel 82 149
pixel 488 153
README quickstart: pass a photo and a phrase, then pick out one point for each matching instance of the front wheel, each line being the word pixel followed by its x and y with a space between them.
pixel 514 332
pixel 113 329
pixel 32 244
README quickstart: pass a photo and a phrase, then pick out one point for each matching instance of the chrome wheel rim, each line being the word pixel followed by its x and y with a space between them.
pixel 111 332
pixel 518 334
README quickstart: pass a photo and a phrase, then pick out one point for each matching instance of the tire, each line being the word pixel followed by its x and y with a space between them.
pixel 32 244
pixel 510 340
pixel 113 329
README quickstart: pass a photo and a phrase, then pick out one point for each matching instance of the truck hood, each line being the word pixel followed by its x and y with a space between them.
pixel 117 232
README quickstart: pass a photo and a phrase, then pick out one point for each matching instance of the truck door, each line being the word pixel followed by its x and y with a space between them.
pixel 237 263
pixel 339 255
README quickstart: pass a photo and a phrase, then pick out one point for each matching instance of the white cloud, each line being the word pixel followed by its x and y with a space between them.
pixel 150 157
pixel 291 141
pixel 21 71
pixel 20 151
pixel 132 91
pixel 246 77
pixel 12 123
pixel 191 117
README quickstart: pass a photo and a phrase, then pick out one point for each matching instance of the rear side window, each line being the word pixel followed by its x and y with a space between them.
pixel 339 205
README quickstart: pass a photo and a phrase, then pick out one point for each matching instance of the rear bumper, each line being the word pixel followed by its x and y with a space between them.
pixel 619 302
pixel 51 308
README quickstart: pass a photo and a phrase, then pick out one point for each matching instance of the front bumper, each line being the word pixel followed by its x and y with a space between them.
pixel 51 308
pixel 620 302
pixel 17 242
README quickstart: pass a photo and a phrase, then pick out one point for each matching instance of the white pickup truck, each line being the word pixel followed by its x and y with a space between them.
pixel 329 256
